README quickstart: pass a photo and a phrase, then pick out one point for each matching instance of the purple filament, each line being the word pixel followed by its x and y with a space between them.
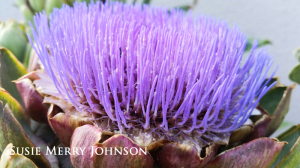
pixel 150 68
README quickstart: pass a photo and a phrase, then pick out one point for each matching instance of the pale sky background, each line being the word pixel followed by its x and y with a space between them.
pixel 276 20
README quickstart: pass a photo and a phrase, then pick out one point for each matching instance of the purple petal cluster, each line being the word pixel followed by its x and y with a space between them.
pixel 152 69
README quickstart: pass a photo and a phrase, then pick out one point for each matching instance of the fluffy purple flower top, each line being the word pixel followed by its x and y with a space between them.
pixel 147 68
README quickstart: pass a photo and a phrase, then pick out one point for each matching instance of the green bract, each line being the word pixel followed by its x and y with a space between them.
pixel 13 38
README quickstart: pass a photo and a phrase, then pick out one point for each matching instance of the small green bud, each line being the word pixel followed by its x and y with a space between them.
pixel 21 2
pixel 37 5
pixel 69 2
pixel 87 1
pixel 13 38
pixel 27 13
pixel 50 4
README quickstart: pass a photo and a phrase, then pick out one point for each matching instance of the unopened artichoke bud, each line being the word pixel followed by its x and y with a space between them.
pixel 37 5
pixel 69 2
pixel 13 38
pixel 28 14
pixel 21 2
pixel 50 4
pixel 87 1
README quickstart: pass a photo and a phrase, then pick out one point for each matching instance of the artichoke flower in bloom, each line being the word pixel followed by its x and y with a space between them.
pixel 148 71
pixel 132 76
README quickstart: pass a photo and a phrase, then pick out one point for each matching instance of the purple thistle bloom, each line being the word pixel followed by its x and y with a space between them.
pixel 150 69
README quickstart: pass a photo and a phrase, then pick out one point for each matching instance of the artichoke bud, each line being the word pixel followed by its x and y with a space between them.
pixel 69 2
pixel 21 2
pixel 27 13
pixel 13 38
pixel 37 5
pixel 50 4
pixel 87 1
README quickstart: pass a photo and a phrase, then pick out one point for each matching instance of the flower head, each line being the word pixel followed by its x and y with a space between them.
pixel 150 69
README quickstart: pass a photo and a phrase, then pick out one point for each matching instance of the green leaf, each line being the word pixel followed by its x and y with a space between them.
pixel 261 43
pixel 11 69
pixel 27 55
pixel 37 6
pixel 185 7
pixel 146 1
pixel 285 124
pixel 69 2
pixel 272 99
pixel 297 54
pixel 292 159
pixel 290 136
pixel 276 102
pixel 88 1
pixel 18 113
pixel 295 74
pixel 12 132
pixel 188 7
pixel 16 108
pixel 274 79
pixel 15 160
